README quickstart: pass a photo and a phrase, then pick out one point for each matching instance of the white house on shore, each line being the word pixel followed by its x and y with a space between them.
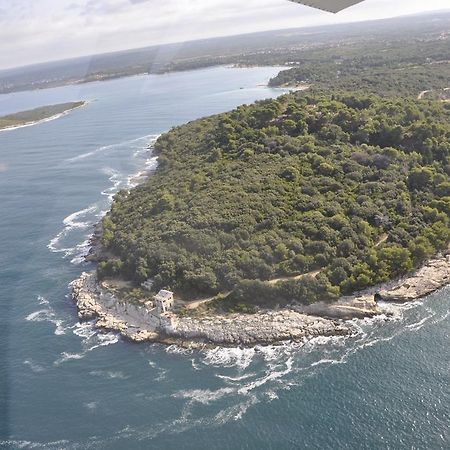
pixel 163 301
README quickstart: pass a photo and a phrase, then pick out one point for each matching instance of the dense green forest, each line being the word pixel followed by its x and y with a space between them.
pixel 354 185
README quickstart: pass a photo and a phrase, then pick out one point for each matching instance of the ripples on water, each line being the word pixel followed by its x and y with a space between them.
pixel 242 377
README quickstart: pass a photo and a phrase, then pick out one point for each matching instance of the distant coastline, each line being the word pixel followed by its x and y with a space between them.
pixel 38 115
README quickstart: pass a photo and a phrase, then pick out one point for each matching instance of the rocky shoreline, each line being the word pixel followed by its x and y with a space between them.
pixel 96 302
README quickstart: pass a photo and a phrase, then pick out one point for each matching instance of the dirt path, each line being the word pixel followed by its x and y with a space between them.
pixel 193 304
pixel 422 94
pixel 313 274
pixel 383 238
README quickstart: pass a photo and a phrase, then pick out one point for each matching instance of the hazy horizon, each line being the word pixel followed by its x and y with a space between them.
pixel 85 28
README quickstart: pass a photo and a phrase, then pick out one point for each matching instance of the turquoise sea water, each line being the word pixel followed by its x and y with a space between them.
pixel 65 386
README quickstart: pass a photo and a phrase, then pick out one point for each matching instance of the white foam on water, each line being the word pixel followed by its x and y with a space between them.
pixel 283 361
pixel 176 350
pixel 235 412
pixel 81 251
pixel 335 341
pixel 42 300
pixel 66 356
pixel 194 364
pixel 87 217
pixel 204 396
pixel 110 374
pixel 366 335
pixel 396 311
pixel 36 368
pixel 47 315
pixel 137 178
pixel 117 179
pixel 91 340
pixel 104 339
pixel 418 325
pixel 84 330
pixel 72 222
pixel 272 395
pixel 270 376
pixel 161 375
pixel 442 318
pixel 229 357
pixel 237 378
pixel 91 405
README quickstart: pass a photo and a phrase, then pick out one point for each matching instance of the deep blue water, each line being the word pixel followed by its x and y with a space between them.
pixel 65 386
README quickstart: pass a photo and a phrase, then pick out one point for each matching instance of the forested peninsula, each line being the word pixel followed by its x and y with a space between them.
pixel 304 198
pixel 37 115
pixel 282 219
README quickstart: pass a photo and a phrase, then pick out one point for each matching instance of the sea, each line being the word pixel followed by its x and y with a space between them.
pixel 65 385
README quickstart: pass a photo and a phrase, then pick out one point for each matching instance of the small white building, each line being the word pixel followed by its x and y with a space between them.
pixel 163 301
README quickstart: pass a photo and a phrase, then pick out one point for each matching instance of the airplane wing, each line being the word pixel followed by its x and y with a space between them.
pixel 333 6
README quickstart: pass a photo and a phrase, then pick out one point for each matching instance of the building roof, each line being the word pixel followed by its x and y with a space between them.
pixel 163 294
pixel 328 5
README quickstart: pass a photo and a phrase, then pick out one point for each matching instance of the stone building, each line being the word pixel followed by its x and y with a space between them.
pixel 163 301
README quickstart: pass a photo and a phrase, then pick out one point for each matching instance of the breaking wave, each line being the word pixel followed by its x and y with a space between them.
pixel 79 220
pixel 91 340
pixel 47 314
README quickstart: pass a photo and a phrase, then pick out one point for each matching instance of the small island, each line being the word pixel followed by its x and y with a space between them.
pixel 278 220
pixel 37 115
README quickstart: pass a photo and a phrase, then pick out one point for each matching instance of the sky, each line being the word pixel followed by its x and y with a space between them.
pixel 33 31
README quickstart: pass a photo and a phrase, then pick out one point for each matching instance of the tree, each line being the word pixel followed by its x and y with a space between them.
pixel 420 178
pixel 166 201
pixel 420 249
pixel 395 259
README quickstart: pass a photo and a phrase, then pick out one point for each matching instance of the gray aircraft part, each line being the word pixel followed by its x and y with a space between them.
pixel 333 6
